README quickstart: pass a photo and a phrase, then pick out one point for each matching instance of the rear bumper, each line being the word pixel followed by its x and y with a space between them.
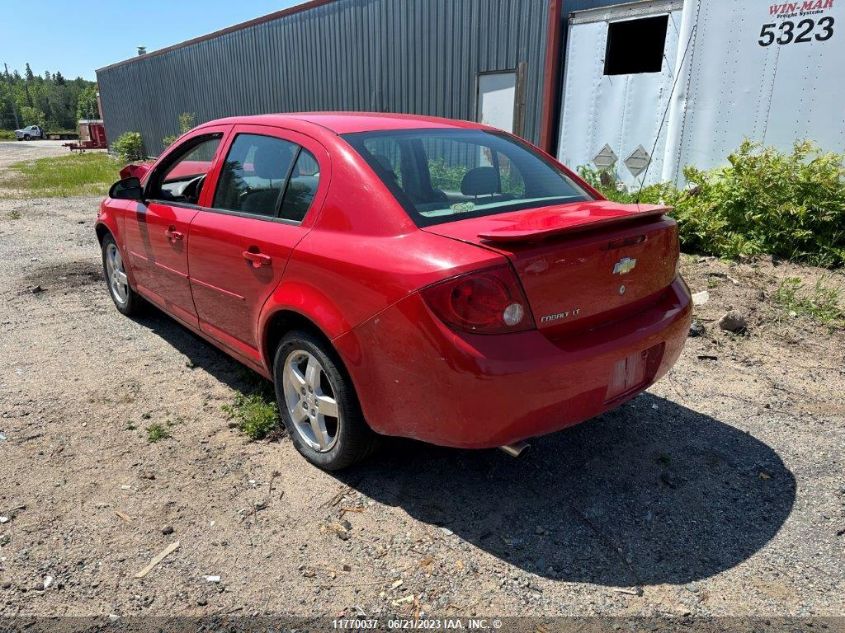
pixel 416 378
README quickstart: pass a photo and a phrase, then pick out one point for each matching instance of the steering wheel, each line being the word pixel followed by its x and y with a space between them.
pixel 193 189
pixel 243 195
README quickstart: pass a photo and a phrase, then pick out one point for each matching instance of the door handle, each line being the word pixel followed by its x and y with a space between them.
pixel 172 234
pixel 257 259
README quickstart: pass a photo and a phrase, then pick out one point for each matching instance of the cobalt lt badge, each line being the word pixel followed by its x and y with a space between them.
pixel 624 266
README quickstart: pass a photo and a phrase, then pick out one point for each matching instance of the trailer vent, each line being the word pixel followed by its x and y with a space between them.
pixel 635 46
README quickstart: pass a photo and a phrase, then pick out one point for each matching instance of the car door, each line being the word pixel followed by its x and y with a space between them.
pixel 267 190
pixel 157 231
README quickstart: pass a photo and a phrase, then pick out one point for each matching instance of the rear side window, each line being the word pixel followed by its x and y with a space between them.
pixel 442 175
pixel 302 186
pixel 255 173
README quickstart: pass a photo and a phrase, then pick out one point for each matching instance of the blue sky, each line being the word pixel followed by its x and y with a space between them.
pixel 60 37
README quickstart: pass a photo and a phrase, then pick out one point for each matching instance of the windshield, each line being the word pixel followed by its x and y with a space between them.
pixel 442 175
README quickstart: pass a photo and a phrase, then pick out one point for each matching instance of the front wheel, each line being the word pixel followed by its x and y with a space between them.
pixel 126 300
pixel 27 137
pixel 318 404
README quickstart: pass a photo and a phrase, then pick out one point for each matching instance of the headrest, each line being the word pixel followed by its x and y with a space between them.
pixel 270 161
pixel 480 181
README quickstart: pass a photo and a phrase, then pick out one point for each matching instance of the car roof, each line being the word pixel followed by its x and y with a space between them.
pixel 350 122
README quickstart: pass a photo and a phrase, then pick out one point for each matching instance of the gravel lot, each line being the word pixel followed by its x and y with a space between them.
pixel 721 491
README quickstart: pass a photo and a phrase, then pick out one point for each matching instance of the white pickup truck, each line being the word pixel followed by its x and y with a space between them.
pixel 29 132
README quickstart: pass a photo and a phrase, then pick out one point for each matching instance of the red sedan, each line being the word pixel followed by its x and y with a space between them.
pixel 400 275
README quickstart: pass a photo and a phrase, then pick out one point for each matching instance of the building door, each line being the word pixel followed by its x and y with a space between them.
pixel 497 99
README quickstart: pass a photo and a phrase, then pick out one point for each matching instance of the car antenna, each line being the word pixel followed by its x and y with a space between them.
pixel 665 112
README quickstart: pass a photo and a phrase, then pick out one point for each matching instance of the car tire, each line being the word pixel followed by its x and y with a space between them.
pixel 126 300
pixel 27 137
pixel 318 404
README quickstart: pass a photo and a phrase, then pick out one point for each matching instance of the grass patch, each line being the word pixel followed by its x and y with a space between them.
pixel 14 214
pixel 60 176
pixel 254 414
pixel 156 432
pixel 820 302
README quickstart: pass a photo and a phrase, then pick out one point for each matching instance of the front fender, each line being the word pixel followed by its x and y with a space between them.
pixel 111 220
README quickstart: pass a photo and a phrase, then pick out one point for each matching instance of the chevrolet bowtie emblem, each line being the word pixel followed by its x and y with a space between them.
pixel 624 266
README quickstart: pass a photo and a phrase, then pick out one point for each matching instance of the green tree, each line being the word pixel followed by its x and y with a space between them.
pixel 86 105
pixel 53 100
pixel 33 116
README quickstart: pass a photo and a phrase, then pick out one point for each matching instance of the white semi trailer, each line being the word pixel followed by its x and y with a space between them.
pixel 650 87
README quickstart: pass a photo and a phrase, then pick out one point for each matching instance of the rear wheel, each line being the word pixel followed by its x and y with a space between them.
pixel 318 404
pixel 125 299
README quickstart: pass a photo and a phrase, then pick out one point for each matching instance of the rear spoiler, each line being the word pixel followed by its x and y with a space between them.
pixel 583 218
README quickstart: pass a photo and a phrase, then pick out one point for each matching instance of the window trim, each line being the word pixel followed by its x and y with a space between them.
pixel 281 199
pixel 244 214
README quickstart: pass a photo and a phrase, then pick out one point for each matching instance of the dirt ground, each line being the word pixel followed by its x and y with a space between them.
pixel 720 491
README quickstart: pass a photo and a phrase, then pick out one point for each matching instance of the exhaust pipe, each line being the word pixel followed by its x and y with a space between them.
pixel 515 450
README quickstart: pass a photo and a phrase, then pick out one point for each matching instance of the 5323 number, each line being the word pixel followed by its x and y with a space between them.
pixel 788 32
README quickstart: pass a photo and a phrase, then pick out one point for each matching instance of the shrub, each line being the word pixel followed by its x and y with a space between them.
pixel 156 432
pixel 608 183
pixel 790 205
pixel 187 120
pixel 7 135
pixel 254 414
pixel 129 147
pixel 787 204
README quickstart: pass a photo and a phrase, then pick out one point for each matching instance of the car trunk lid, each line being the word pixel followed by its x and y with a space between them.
pixel 583 263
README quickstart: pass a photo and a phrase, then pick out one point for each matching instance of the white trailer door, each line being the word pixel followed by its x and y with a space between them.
pixel 620 67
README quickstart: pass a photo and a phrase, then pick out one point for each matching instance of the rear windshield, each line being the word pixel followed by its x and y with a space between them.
pixel 446 175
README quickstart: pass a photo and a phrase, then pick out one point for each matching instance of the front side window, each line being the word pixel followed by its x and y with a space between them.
pixel 182 177
pixel 446 175
pixel 255 173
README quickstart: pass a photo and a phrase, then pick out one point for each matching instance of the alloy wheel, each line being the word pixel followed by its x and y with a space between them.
pixel 118 282
pixel 310 401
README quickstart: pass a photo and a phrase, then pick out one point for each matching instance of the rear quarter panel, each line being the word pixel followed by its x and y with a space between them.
pixel 363 254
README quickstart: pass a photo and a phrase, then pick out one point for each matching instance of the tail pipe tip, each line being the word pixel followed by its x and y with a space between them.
pixel 515 450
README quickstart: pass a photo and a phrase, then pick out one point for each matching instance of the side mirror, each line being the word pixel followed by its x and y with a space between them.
pixel 127 189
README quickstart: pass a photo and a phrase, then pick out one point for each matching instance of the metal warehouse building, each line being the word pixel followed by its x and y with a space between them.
pixel 642 88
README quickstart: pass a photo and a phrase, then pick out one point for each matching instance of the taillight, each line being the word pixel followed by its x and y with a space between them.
pixel 490 301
